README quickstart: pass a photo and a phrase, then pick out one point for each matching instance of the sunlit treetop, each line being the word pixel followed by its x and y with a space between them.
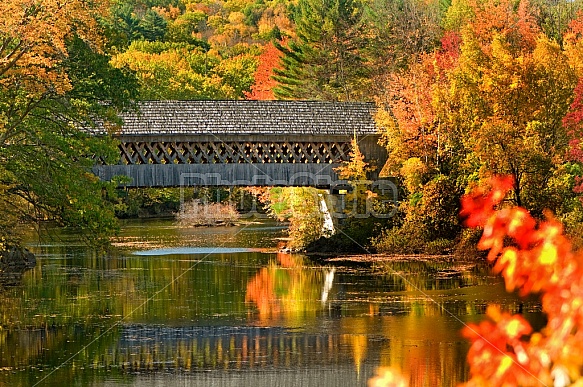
pixel 33 39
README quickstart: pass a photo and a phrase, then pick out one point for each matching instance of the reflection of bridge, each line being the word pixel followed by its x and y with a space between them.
pixel 158 348
pixel 241 143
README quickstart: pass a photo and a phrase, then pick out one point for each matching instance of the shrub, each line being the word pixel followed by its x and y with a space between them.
pixel 195 213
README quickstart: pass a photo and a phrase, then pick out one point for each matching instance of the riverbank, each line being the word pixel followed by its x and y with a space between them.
pixel 376 258
pixel 369 260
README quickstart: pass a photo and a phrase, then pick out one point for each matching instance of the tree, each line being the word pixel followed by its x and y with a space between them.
pixel 398 32
pixel 573 43
pixel 262 88
pixel 355 168
pixel 324 62
pixel 554 17
pixel 54 80
pixel 153 26
pixel 185 28
pixel 185 72
pixel 491 100
pixel 573 122
pixel 508 94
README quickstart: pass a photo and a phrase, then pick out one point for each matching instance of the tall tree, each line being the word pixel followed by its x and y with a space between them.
pixel 509 93
pixel 262 88
pixel 324 62
pixel 54 80
pixel 397 32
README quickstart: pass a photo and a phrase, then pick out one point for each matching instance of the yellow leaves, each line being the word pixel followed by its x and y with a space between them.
pixel 412 171
pixel 515 329
pixel 169 71
pixel 388 377
pixel 573 42
pixel 508 261
pixel 237 18
pixel 356 168
pixel 35 37
pixel 505 364
pixel 548 254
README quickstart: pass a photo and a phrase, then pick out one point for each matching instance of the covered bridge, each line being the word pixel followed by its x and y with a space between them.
pixel 241 143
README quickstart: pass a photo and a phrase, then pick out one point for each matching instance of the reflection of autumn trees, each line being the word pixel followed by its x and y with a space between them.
pixel 421 352
pixel 285 289
pixel 433 274
pixel 425 348
pixel 201 321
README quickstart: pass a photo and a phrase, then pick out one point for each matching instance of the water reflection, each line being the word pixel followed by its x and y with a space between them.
pixel 286 289
pixel 195 250
pixel 242 317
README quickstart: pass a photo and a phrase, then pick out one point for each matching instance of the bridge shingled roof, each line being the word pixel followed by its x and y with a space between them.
pixel 250 117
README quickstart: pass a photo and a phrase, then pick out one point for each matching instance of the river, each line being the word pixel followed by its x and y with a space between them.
pixel 171 306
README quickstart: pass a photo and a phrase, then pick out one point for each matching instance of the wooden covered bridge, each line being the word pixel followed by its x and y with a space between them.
pixel 241 143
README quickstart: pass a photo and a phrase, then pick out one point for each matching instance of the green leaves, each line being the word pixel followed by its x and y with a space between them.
pixel 45 157
pixel 325 62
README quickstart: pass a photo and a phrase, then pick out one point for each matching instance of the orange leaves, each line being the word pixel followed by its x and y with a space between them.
pixel 533 257
pixel 410 122
pixel 501 18
pixel 33 41
pixel 573 40
pixel 478 206
pixel 260 290
pixel 262 89
pixel 529 264
pixel 499 352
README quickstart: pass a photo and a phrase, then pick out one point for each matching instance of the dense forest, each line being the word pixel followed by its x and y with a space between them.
pixel 465 89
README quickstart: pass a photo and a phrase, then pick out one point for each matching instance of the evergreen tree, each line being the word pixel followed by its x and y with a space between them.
pixel 324 62
pixel 153 26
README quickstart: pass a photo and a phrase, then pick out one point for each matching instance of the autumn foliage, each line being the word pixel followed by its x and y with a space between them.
pixel 533 257
pixel 33 42
pixel 262 88
pixel 573 122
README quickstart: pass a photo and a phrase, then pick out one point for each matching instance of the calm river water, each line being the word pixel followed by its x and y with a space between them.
pixel 220 307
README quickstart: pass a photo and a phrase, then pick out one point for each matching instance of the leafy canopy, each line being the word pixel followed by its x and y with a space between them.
pixel 55 79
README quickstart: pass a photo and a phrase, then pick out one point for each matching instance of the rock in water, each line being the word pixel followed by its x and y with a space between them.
pixel 16 259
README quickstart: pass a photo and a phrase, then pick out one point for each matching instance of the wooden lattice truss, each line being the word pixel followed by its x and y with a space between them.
pixel 209 152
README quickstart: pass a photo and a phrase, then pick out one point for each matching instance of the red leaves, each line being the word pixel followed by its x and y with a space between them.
pixel 573 122
pixel 448 56
pixel 478 206
pixel 498 352
pixel 532 257
pixel 262 89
